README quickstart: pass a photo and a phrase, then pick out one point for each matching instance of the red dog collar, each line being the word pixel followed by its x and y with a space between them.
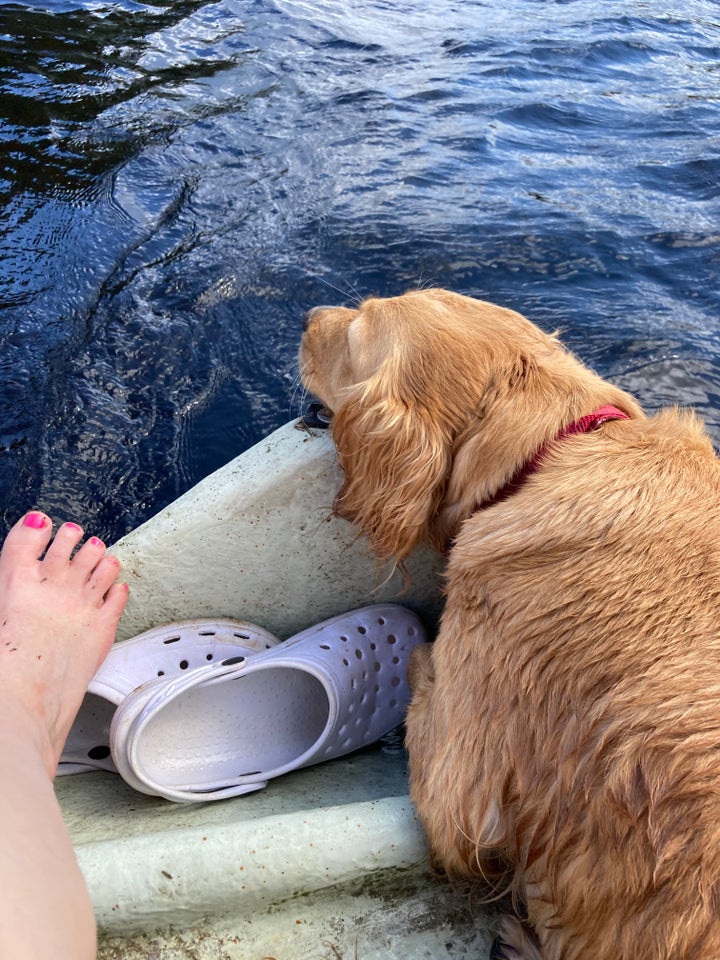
pixel 590 421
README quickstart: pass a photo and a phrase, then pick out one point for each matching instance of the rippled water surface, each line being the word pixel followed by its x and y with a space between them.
pixel 181 181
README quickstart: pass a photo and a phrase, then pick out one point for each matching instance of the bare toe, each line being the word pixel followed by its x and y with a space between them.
pixel 115 600
pixel 27 540
pixel 103 575
pixel 58 554
pixel 87 558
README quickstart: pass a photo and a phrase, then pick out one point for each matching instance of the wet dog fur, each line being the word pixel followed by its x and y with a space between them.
pixel 564 731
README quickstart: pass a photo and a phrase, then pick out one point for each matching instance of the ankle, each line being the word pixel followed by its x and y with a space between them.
pixel 22 732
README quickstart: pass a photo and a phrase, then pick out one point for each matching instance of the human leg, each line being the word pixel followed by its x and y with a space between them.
pixel 58 615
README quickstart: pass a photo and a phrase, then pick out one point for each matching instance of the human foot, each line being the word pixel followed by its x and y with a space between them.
pixel 58 616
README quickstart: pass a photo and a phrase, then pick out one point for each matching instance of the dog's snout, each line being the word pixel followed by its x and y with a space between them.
pixel 307 319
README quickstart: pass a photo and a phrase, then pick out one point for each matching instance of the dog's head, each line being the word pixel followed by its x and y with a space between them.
pixel 437 399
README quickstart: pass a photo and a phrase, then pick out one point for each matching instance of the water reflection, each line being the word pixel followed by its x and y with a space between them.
pixel 181 181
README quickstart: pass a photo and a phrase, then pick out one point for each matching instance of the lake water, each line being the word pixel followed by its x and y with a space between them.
pixel 181 181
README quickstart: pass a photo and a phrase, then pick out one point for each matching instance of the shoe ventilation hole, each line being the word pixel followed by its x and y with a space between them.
pixel 99 753
pixel 362 630
pixel 208 656
pixel 161 673
pixel 411 631
pixel 395 682
pixel 324 646
pixel 183 664
pixel 358 654
pixel 171 640
pixel 346 662
pixel 378 667
pixel 373 646
pixel 391 638
pixel 396 659
pixel 393 703
pixel 242 636
pixel 344 639
pixel 206 633
pixel 381 621
pixel 231 660
pixel 250 773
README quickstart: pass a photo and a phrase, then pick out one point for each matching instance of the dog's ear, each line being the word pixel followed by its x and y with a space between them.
pixel 396 465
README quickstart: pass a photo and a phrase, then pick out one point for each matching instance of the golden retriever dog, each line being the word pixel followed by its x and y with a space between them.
pixel 564 731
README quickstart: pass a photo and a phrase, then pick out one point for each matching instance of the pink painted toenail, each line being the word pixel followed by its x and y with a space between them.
pixel 71 525
pixel 95 542
pixel 34 520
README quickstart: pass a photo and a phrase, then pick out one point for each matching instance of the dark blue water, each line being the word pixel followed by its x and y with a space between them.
pixel 180 181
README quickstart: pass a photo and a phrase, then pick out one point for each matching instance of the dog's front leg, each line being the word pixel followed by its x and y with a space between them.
pixel 420 670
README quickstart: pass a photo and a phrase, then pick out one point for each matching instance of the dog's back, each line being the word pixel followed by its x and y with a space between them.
pixel 590 721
